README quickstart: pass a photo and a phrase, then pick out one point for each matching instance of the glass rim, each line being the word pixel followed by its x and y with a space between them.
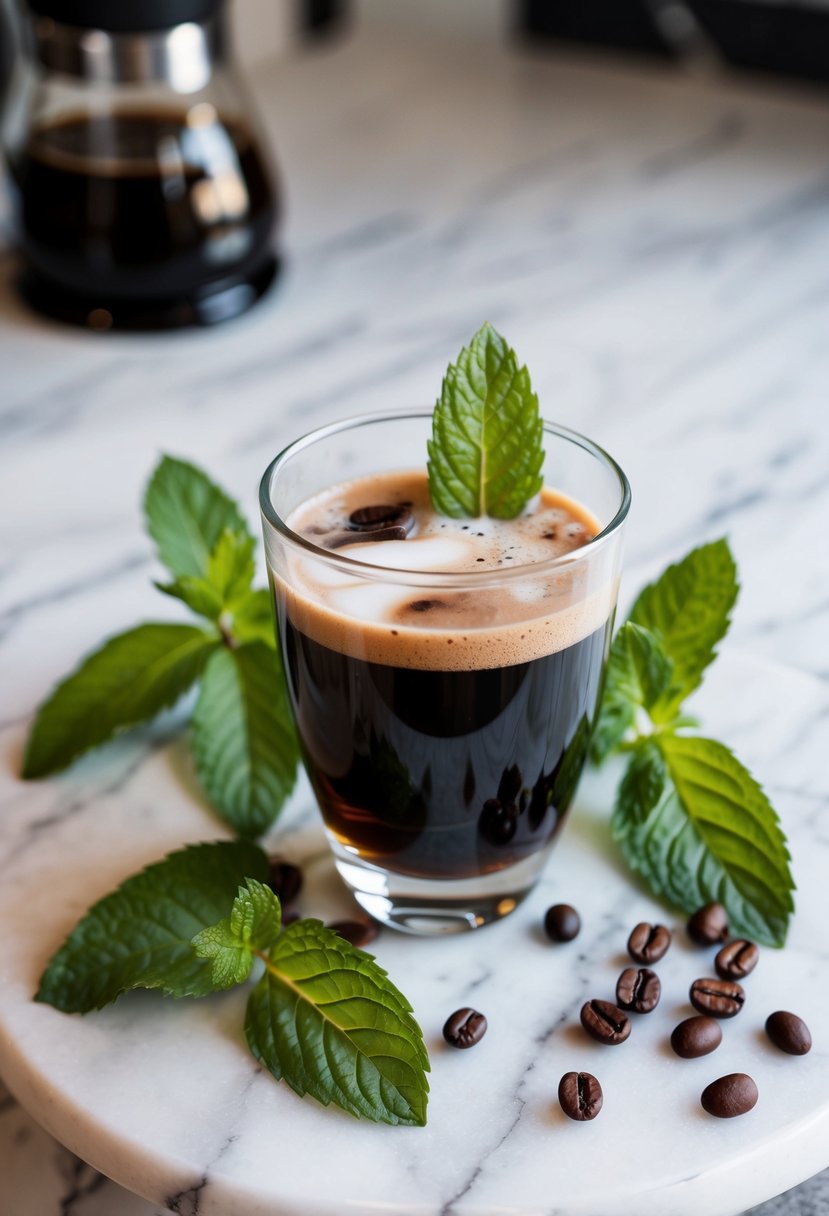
pixel 420 577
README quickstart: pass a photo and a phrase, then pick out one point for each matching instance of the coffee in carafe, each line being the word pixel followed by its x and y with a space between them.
pixel 148 203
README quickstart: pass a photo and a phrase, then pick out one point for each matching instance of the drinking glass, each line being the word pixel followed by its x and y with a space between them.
pixel 444 761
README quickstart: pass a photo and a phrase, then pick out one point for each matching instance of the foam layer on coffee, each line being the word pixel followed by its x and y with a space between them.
pixel 518 609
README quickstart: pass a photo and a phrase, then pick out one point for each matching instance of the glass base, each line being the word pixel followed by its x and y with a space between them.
pixel 208 305
pixel 431 908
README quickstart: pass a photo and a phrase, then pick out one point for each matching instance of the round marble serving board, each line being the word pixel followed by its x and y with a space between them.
pixel 163 1096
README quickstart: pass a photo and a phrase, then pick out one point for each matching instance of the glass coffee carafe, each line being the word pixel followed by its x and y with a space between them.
pixel 142 197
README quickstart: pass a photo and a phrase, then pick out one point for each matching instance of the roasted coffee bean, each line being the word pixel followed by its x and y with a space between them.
pixel 580 1096
pixel 789 1032
pixel 562 923
pixel 638 990
pixel 718 998
pixel 735 1094
pixel 369 519
pixel 359 932
pixel 339 539
pixel 285 880
pixel 498 822
pixel 605 1023
pixel 648 943
pixel 708 925
pixel 736 960
pixel 464 1028
pixel 696 1036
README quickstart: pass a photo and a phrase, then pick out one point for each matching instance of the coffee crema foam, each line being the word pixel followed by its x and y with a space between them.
pixel 493 624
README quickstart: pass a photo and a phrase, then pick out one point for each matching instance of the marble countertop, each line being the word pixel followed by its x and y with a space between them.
pixel 655 245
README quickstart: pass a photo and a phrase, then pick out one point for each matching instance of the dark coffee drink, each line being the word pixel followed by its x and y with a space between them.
pixel 139 214
pixel 444 733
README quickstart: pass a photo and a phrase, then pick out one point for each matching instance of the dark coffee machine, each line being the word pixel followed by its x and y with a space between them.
pixel 142 197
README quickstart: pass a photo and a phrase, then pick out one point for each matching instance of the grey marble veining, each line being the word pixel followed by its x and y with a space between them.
pixel 655 245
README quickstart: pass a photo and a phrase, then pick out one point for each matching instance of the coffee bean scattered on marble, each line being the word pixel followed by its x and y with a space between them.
pixel 580 1096
pixel 708 925
pixel 605 1022
pixel 736 960
pixel 729 1096
pixel 562 923
pixel 718 998
pixel 648 943
pixel 358 932
pixel 638 990
pixel 789 1033
pixel 464 1028
pixel 284 879
pixel 696 1036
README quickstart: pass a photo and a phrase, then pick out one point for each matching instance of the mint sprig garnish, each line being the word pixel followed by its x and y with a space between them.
pixel 689 817
pixel 140 936
pixel 243 738
pixel 324 1016
pixel 327 1019
pixel 486 452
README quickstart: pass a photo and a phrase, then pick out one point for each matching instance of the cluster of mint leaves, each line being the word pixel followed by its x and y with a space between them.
pixel 243 741
pixel 689 817
pixel 323 1016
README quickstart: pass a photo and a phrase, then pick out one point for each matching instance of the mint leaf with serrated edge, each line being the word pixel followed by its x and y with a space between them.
pixel 326 1018
pixel 129 680
pixel 486 452
pixel 244 744
pixel 642 785
pixel 689 607
pixel 253 925
pixel 227 583
pixel 713 835
pixel 186 514
pixel 638 674
pixel 252 620
pixel 140 936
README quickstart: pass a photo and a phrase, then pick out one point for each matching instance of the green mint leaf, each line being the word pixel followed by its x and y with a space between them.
pixel 231 566
pixel 328 1020
pixel 486 450
pixel 140 935
pixel 254 923
pixel 252 619
pixel 129 680
pixel 713 835
pixel 186 515
pixel 642 785
pixel 197 593
pixel 639 673
pixel 244 743
pixel 689 607
pixel 227 583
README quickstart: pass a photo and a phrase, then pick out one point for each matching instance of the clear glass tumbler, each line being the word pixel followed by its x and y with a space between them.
pixel 444 761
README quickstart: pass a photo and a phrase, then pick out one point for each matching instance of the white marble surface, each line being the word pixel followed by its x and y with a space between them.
pixel 656 247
